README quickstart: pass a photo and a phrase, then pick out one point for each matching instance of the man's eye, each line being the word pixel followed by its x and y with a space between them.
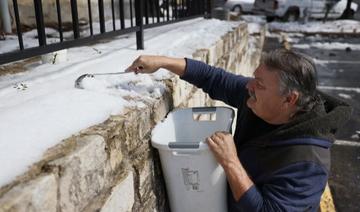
pixel 258 85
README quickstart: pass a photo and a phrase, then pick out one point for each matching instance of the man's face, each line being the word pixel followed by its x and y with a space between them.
pixel 265 99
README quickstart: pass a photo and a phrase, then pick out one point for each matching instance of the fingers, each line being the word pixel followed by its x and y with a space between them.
pixel 211 142
pixel 218 138
pixel 139 69
pixel 214 140
pixel 221 135
pixel 223 148
pixel 137 66
pixel 135 69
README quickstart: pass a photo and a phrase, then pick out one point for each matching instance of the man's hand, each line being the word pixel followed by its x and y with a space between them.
pixel 223 147
pixel 145 64
pixel 148 64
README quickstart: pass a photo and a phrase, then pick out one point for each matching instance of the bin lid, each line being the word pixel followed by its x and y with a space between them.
pixel 188 128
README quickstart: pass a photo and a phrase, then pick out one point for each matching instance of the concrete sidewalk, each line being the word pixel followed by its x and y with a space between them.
pixel 345 177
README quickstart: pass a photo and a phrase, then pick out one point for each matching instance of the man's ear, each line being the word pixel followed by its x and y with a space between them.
pixel 292 97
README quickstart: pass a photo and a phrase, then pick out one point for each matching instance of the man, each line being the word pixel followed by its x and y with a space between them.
pixel 279 158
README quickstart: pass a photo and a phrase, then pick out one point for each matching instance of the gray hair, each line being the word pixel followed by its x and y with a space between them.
pixel 297 72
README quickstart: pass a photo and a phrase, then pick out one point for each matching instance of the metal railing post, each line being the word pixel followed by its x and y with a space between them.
pixel 101 16
pixel 40 22
pixel 157 8
pixel 208 9
pixel 167 10
pixel 75 18
pixel 58 10
pixel 131 13
pixel 152 2
pixel 139 23
pixel 113 14
pixel 90 18
pixel 189 10
pixel 18 25
pixel 121 14
pixel 176 13
pixel 146 12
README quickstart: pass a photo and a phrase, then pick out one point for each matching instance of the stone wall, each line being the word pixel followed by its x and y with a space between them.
pixel 112 166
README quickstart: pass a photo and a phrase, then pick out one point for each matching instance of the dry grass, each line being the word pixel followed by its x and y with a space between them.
pixel 18 67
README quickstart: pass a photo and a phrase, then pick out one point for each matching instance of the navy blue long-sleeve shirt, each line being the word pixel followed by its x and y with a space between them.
pixel 297 186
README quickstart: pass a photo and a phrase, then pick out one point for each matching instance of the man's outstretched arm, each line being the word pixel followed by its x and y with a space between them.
pixel 218 83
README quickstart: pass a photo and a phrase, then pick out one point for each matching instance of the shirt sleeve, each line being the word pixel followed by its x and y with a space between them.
pixel 218 83
pixel 297 187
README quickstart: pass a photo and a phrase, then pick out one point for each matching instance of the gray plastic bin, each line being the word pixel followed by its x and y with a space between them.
pixel 195 182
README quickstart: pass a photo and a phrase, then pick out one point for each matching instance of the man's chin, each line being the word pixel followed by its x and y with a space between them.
pixel 251 107
pixel 250 102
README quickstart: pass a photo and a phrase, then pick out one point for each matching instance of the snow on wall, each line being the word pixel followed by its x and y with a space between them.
pixel 41 107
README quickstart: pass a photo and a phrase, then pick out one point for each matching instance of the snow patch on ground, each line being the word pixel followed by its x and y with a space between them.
pixel 345 96
pixel 255 23
pixel 254 18
pixel 355 136
pixel 337 26
pixel 324 62
pixel 357 90
pixel 254 28
pixel 328 45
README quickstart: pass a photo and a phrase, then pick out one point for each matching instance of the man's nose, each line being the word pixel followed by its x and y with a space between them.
pixel 250 84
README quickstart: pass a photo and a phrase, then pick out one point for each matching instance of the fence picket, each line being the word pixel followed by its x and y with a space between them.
pixel 171 11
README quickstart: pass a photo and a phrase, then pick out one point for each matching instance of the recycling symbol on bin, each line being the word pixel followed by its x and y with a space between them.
pixel 191 178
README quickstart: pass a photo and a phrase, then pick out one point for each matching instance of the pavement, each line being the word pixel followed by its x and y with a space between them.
pixel 341 78
pixel 357 13
pixel 338 72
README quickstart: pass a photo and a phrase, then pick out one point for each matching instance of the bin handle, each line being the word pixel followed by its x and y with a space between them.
pixel 204 110
pixel 184 145
pixel 204 114
pixel 185 154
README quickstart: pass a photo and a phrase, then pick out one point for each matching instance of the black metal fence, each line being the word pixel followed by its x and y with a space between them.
pixel 141 14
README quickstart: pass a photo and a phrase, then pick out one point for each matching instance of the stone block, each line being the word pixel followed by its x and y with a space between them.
pixel 145 183
pixel 144 121
pixel 197 99
pixel 201 55
pixel 215 52
pixel 131 128
pixel 122 196
pixel 228 42
pixel 149 185
pixel 115 156
pixel 181 91
pixel 38 195
pixel 161 107
pixel 150 206
pixel 82 175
